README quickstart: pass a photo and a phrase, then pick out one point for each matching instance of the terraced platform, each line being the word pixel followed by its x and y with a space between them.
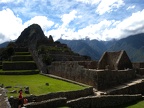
pixel 21 63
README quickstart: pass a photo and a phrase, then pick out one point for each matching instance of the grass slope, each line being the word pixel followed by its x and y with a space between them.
pixel 36 84
pixel 137 105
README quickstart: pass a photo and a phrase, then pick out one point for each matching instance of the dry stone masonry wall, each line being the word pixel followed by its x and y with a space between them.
pixel 103 101
pixel 100 79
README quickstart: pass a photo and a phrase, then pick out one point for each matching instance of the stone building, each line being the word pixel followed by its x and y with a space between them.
pixel 115 61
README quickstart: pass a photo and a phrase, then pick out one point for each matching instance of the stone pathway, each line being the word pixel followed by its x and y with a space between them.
pixel 4 103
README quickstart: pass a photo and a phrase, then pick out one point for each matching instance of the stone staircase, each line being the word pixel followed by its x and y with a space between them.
pixel 21 63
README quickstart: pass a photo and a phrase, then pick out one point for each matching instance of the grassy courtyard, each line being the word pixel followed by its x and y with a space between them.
pixel 36 83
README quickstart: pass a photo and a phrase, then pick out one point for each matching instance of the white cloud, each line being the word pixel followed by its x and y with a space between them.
pixel 104 5
pixel 41 20
pixel 11 1
pixel 108 6
pixel 63 30
pixel 6 1
pixel 133 24
pixel 10 25
pixel 95 31
pixel 104 30
pixel 92 31
pixel 129 26
pixel 67 18
pixel 89 1
pixel 130 7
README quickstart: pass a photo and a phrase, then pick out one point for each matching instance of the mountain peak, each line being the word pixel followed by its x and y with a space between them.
pixel 31 34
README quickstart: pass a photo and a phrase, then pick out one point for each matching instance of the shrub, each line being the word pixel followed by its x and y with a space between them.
pixel 47 59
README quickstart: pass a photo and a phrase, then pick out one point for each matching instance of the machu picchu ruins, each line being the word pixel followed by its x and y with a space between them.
pixel 111 81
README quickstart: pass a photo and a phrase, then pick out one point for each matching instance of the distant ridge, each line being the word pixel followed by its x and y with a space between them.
pixel 133 45
pixel 3 45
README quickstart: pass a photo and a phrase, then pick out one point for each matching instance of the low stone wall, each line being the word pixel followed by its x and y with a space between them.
pixel 100 79
pixel 140 71
pixel 52 103
pixel 137 88
pixel 103 101
pixel 107 78
pixel 69 95
pixel 138 65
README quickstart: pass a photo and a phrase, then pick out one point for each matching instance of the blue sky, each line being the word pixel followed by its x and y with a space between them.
pixel 73 19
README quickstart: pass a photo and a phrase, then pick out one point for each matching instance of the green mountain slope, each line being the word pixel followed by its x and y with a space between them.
pixel 133 45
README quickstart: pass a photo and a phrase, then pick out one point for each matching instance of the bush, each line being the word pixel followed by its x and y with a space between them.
pixel 6 53
pixel 47 59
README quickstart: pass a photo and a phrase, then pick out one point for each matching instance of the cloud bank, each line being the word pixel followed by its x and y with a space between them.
pixel 76 19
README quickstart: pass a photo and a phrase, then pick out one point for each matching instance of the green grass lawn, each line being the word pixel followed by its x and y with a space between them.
pixel 37 84
pixel 137 105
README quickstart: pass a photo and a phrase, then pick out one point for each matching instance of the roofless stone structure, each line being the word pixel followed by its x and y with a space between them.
pixel 115 61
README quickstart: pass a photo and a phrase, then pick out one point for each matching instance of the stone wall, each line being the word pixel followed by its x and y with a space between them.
pixel 38 60
pixel 4 103
pixel 88 64
pixel 138 65
pixel 73 71
pixel 107 78
pixel 140 71
pixel 69 95
pixel 106 101
pixel 135 88
pixel 52 103
pixel 100 79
